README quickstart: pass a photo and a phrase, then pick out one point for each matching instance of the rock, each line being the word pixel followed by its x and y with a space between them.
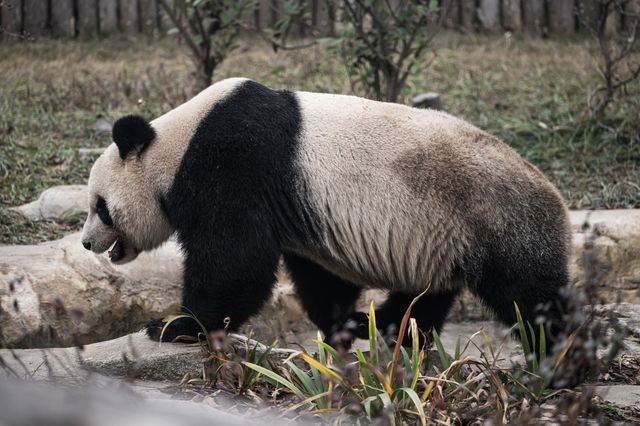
pixel 282 319
pixel 108 402
pixel 427 100
pixel 57 203
pixel 606 254
pixel 620 395
pixel 102 125
pixel 90 152
pixel 45 282
pixel 133 355
pixel 137 355
pixel 627 314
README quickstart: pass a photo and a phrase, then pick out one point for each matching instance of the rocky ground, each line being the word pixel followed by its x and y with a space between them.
pixel 57 294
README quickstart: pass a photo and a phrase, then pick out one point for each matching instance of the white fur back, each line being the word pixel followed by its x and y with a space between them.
pixel 378 231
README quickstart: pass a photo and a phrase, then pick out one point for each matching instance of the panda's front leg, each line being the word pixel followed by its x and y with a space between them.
pixel 231 278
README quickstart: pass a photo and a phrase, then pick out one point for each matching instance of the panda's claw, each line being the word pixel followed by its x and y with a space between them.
pixel 345 332
pixel 179 331
pixel 358 324
pixel 154 329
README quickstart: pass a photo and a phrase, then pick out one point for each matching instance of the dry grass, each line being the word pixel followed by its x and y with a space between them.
pixel 531 93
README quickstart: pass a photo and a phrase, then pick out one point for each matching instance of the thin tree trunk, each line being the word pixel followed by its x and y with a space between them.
pixel 467 15
pixel 588 11
pixel 35 17
pixel 561 16
pixel 148 16
pixel 451 10
pixel 511 15
pixel 87 18
pixel 489 14
pixel 63 22
pixel 129 16
pixel 534 18
pixel 108 16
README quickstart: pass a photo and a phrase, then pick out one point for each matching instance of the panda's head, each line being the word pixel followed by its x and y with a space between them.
pixel 125 213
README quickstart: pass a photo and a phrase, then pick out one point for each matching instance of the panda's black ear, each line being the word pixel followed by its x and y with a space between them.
pixel 132 132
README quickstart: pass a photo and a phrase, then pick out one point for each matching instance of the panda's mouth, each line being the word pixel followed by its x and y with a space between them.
pixel 122 252
pixel 118 251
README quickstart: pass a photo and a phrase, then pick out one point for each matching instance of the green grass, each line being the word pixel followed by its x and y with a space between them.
pixel 399 385
pixel 529 92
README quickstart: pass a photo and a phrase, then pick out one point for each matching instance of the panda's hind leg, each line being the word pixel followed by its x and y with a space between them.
pixel 429 311
pixel 537 299
pixel 328 299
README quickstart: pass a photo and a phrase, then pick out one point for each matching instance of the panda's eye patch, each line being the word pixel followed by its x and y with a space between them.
pixel 103 212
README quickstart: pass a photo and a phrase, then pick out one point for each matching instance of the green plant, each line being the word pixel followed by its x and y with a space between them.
pixel 534 354
pixel 378 387
pixel 382 43
pixel 222 360
pixel 616 54
pixel 210 29
pixel 403 384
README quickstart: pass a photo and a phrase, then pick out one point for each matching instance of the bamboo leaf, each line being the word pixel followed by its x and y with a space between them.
pixel 383 381
pixel 413 396
pixel 444 358
pixel 322 368
pixel 277 378
pixel 543 343
pixel 373 335
pixel 306 381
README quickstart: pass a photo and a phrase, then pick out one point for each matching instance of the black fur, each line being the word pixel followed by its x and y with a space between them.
pixel 103 212
pixel 328 299
pixel 507 268
pixel 233 204
pixel 132 131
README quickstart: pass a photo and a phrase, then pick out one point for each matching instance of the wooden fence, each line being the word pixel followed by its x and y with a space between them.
pixel 91 18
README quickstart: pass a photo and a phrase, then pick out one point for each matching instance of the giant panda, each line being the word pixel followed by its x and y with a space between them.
pixel 350 192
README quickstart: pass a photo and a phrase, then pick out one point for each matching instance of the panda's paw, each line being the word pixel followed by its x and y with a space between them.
pixel 345 332
pixel 179 331
pixel 357 323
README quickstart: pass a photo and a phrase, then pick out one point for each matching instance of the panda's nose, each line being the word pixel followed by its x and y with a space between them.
pixel 86 245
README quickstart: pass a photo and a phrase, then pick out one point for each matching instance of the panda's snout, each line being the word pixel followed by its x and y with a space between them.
pixel 86 245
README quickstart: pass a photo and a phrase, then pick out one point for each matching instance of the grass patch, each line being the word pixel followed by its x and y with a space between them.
pixel 529 92
pixel 394 384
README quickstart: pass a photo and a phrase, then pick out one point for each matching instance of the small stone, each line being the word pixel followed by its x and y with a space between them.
pixel 620 395
pixel 429 100
pixel 90 152
pixel 102 125
pixel 57 203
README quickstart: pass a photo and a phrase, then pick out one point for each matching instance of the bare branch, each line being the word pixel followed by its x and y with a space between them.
pixel 195 50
